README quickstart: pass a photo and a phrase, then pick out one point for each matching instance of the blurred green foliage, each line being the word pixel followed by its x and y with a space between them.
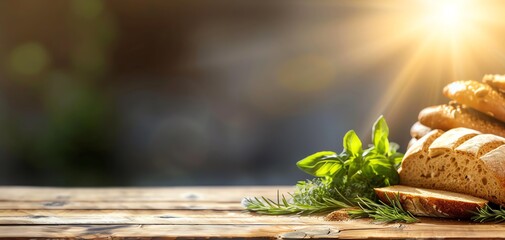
pixel 28 59
pixel 73 145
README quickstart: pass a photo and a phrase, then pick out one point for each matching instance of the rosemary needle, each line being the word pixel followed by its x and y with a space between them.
pixel 489 214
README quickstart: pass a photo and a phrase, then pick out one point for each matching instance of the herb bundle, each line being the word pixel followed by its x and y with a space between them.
pixel 343 180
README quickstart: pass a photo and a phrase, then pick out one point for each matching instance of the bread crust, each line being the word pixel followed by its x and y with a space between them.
pixel 419 147
pixel 478 145
pixel 454 115
pixel 411 142
pixel 432 203
pixel 450 140
pixel 423 143
pixel 495 81
pixel 418 130
pixel 495 159
pixel 479 96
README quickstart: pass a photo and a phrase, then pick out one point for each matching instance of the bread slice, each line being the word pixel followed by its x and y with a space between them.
pixel 479 96
pixel 460 161
pixel 454 115
pixel 430 202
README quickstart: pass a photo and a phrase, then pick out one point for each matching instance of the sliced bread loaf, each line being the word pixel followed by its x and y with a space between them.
pixel 459 160
pixel 432 203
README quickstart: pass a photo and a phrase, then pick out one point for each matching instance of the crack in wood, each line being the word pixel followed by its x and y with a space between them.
pixel 55 204
pixel 310 233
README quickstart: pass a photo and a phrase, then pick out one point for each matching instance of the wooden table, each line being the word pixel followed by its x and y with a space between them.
pixel 189 212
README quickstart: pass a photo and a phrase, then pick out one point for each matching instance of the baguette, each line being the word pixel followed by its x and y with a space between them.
pixel 479 96
pixel 454 115
pixel 432 203
pixel 459 160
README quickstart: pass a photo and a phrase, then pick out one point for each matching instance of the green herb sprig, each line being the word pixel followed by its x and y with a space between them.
pixel 283 206
pixel 381 211
pixel 341 180
pixel 489 214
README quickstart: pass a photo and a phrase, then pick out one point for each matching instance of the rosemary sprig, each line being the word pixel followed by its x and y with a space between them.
pixel 282 206
pixel 382 212
pixel 379 211
pixel 489 214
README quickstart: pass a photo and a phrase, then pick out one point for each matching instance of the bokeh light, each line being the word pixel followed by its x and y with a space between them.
pixel 28 59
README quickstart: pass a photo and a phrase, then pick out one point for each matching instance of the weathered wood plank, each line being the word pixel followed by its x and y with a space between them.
pixel 193 217
pixel 166 205
pixel 430 228
pixel 225 194
pixel 163 231
pixel 349 230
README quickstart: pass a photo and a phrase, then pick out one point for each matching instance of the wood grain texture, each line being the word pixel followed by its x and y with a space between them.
pixel 193 212
pixel 191 194
pixel 34 205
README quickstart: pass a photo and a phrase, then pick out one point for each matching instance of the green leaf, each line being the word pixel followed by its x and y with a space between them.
pixel 396 159
pixel 380 168
pixel 380 132
pixel 352 144
pixel 321 164
pixel 353 165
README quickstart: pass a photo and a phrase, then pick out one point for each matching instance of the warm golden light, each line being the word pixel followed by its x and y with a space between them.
pixel 447 40
pixel 449 15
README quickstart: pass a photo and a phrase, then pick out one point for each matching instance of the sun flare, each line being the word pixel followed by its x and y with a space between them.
pixel 448 40
pixel 448 15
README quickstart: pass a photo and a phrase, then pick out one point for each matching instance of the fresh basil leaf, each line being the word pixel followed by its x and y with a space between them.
pixel 380 132
pixel 352 144
pixel 387 175
pixel 396 159
pixel 328 168
pixel 354 164
pixel 321 164
pixel 380 169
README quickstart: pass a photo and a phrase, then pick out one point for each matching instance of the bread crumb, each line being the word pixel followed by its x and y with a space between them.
pixel 338 215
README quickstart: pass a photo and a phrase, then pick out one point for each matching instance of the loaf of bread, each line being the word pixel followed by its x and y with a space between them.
pixel 478 96
pixel 430 202
pixel 460 160
pixel 495 81
pixel 454 115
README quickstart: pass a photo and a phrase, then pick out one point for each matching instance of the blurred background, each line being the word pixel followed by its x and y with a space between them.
pixel 129 93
